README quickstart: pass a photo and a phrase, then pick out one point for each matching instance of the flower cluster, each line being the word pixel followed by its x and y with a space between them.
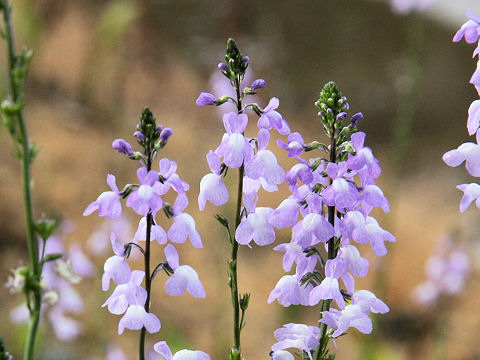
pixel 147 199
pixel 334 198
pixel 62 268
pixel 446 271
pixel 258 168
pixel 470 151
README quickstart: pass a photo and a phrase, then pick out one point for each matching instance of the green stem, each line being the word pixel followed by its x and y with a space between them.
pixel 233 260
pixel 27 194
pixel 148 277
pixel 332 253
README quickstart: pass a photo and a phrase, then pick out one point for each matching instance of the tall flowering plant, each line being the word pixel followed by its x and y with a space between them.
pixel 257 168
pixel 470 151
pixel 147 199
pixel 334 194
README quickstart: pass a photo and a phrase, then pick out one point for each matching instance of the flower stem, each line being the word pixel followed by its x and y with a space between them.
pixel 233 261
pixel 332 253
pixel 148 278
pixel 34 262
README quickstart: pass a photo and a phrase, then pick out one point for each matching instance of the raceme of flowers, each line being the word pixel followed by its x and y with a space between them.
pixel 130 297
pixel 469 152
pixel 329 209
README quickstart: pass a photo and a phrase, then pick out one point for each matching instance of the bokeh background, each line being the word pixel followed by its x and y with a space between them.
pixel 97 64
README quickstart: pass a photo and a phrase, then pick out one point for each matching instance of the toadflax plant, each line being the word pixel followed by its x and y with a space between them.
pixel 469 152
pixel 257 167
pixel 147 199
pixel 334 193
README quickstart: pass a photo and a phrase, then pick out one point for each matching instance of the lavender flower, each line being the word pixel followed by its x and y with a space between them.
pixel 163 349
pixel 206 99
pixel 108 203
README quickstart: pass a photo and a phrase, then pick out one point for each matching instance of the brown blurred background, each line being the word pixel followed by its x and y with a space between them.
pixel 98 63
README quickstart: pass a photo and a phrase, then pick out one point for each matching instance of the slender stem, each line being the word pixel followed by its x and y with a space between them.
pixel 325 304
pixel 27 194
pixel 233 261
pixel 148 277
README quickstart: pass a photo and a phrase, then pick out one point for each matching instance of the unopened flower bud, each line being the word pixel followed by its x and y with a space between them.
pixel 223 67
pixel 139 135
pixel 206 99
pixel 355 119
pixel 341 116
pixel 165 135
pixel 159 128
pixel 16 283
pixel 245 60
pixel 257 84
pixel 50 297
pixel 122 146
pixel 329 111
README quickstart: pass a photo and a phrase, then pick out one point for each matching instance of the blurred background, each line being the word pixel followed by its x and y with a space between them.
pixel 97 64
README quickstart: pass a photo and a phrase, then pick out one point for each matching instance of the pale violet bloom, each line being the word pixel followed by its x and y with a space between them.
pixel 351 316
pixel 298 336
pixel 108 203
pixel 115 267
pixel 184 278
pixel 122 146
pixel 351 260
pixel 329 287
pixel 288 291
pixel 473 122
pixel 341 193
pixel 250 191
pixel 281 355
pixel 131 293
pixel 314 228
pixel 471 192
pixel 293 252
pixel 145 199
pixel 156 232
pixel 468 152
pixel 235 148
pixel 286 214
pixel 272 119
pixel 295 145
pixel 264 163
pixel 183 226
pixel 163 349
pixel 206 98
pixel 169 178
pixel 256 227
pixel 137 317
pixel 368 302
pixel 212 187
pixel 469 30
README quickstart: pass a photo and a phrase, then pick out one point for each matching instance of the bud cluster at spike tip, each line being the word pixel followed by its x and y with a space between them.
pixel 147 200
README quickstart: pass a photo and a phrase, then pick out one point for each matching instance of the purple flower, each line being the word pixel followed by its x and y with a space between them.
pixel 469 30
pixel 156 232
pixel 288 292
pixel 165 135
pixel 170 179
pixel 116 268
pixel 184 226
pixel 363 159
pixel 286 214
pixel 293 252
pixel 272 119
pixel 206 98
pixel 235 148
pixel 127 294
pixel 352 260
pixel 212 187
pixel 341 193
pixel 108 203
pixel 137 317
pixel 377 236
pixel 295 145
pixel 351 316
pixel 314 228
pixel 368 302
pixel 299 336
pixel 163 349
pixel 468 152
pixel 264 164
pixel 300 172
pixel 184 278
pixel 145 199
pixel 328 288
pixel 473 122
pixel 122 147
pixel 471 192
pixel 281 355
pixel 256 227
pixel 257 84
